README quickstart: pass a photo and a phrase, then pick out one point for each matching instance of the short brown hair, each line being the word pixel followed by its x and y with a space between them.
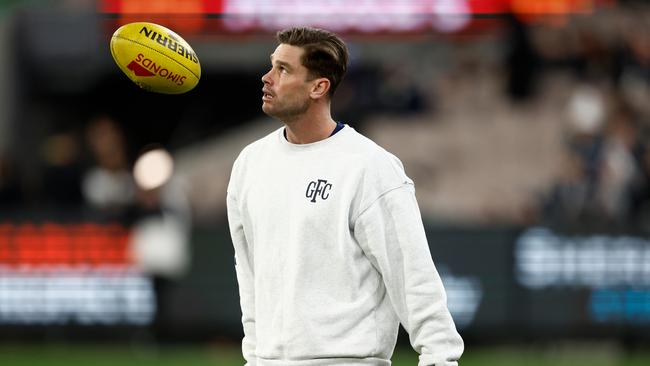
pixel 326 55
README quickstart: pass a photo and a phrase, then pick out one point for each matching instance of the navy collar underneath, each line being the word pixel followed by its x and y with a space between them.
pixel 339 127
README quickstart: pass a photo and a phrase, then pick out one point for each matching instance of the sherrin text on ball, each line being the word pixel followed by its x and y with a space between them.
pixel 155 58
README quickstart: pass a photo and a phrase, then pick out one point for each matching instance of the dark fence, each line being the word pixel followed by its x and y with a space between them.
pixel 75 279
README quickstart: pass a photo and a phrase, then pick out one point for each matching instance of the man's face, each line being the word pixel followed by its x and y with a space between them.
pixel 286 85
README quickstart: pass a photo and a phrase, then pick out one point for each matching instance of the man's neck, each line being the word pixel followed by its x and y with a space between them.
pixel 309 128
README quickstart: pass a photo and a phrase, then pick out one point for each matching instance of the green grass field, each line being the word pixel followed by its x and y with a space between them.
pixel 227 355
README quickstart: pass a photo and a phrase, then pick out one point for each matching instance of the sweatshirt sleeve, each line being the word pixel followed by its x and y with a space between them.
pixel 244 267
pixel 391 232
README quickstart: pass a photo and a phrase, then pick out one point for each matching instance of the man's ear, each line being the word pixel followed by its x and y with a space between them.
pixel 319 88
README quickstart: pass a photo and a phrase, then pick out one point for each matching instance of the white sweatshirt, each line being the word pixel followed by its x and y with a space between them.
pixel 331 256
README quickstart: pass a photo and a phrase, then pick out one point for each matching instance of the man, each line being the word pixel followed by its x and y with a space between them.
pixel 330 249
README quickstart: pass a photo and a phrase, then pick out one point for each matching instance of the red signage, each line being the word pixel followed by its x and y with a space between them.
pixel 403 17
pixel 79 245
pixel 226 7
pixel 71 274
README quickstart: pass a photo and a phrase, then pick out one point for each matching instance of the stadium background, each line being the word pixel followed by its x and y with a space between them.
pixel 523 123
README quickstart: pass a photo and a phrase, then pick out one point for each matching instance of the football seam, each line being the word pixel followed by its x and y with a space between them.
pixel 155 50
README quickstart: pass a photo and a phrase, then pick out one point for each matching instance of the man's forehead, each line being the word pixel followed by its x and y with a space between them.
pixel 287 53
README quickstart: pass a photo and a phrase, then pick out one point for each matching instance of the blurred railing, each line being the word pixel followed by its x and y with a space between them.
pixel 509 283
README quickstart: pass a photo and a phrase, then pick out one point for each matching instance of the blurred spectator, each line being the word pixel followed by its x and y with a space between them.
pixel 160 244
pixel 108 184
pixel 571 198
pixel 568 201
pixel 619 169
pixel 61 184
pixel 161 230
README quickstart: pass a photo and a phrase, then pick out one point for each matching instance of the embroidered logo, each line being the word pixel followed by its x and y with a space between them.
pixel 319 188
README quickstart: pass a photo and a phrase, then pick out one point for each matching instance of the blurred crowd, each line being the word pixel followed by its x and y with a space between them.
pixel 543 122
pixel 76 167
pixel 86 173
pixel 604 174
pixel 548 123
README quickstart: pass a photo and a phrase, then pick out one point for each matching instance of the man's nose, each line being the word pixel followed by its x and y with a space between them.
pixel 266 79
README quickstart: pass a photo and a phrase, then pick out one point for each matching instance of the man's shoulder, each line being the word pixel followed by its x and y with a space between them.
pixel 375 159
pixel 358 143
pixel 373 152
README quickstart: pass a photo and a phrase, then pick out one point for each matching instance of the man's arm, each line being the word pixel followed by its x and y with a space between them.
pixel 392 234
pixel 244 265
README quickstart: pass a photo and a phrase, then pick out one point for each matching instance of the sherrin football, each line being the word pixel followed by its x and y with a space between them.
pixel 155 58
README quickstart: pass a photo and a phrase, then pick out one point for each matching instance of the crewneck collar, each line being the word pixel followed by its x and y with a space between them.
pixel 312 145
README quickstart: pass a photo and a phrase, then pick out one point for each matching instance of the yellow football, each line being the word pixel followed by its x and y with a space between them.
pixel 155 58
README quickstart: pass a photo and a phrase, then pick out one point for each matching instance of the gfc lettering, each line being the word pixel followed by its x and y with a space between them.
pixel 319 188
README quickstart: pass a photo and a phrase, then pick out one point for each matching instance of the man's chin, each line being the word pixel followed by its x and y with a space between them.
pixel 284 115
pixel 268 110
